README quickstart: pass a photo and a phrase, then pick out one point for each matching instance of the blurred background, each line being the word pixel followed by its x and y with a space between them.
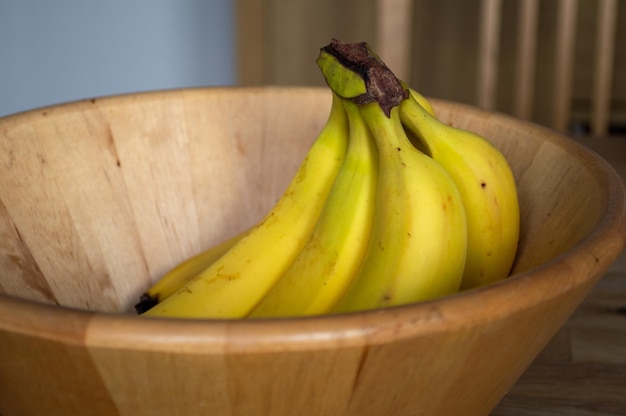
pixel 536 59
pixel 64 50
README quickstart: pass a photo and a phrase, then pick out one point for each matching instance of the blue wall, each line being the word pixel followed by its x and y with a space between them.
pixel 54 51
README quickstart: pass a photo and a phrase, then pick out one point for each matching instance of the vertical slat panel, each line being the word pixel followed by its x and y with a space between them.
pixel 603 66
pixel 251 41
pixel 393 37
pixel 564 63
pixel 525 64
pixel 488 53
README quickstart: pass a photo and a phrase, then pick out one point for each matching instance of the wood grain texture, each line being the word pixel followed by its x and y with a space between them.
pixel 582 370
pixel 99 198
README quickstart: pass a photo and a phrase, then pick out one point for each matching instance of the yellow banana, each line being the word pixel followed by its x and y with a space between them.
pixel 233 285
pixel 422 101
pixel 419 237
pixel 419 98
pixel 183 273
pixel 187 270
pixel 325 267
pixel 487 187
pixel 418 244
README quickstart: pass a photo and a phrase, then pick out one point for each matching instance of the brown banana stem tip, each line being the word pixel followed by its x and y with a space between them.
pixel 381 84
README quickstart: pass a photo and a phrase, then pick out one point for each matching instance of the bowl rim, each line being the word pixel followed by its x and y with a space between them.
pixel 593 253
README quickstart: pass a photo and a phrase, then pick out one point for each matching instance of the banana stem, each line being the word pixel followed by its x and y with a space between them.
pixel 381 85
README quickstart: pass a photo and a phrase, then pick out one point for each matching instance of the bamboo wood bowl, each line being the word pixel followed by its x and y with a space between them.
pixel 99 198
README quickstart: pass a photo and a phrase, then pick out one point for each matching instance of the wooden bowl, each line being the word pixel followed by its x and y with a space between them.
pixel 99 198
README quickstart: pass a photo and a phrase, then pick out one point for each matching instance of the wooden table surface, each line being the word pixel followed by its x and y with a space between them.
pixel 582 371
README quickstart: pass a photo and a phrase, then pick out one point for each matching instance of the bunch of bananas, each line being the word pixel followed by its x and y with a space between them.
pixel 390 206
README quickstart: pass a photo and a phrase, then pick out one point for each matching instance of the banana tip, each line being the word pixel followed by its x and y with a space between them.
pixel 146 302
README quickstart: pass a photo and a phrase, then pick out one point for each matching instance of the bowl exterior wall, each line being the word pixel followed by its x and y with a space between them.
pixel 439 373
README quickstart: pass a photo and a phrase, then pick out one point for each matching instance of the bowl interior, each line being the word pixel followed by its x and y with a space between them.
pixel 101 197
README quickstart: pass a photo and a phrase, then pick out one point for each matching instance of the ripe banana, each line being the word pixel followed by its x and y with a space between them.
pixel 418 245
pixel 487 187
pixel 390 206
pixel 183 273
pixel 325 267
pixel 419 98
pixel 422 101
pixel 233 285
pixel 419 238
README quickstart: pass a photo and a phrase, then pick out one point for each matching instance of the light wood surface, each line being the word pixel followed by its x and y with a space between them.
pixel 99 198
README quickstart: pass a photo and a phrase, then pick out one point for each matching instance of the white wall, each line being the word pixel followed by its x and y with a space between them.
pixel 54 51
